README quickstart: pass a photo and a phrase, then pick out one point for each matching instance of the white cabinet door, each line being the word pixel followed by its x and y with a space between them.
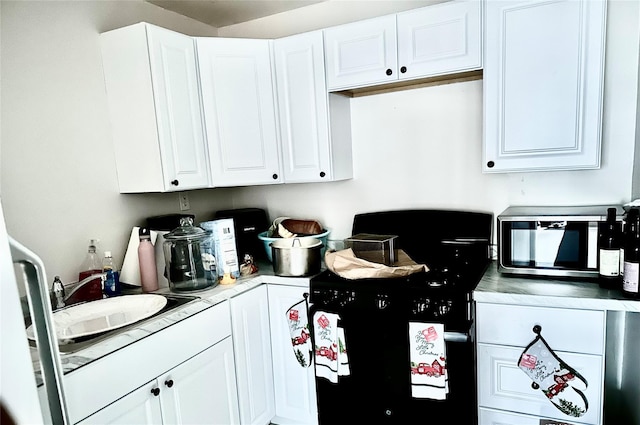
pixel 154 103
pixel 294 385
pixel 361 53
pixel 252 351
pixel 310 152
pixel 202 389
pixel 440 39
pixel 142 406
pixel 543 85
pixel 239 111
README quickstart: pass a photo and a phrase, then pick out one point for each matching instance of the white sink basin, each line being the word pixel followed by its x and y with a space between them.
pixel 99 316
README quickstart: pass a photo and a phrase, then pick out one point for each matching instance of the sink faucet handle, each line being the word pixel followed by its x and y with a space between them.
pixel 58 291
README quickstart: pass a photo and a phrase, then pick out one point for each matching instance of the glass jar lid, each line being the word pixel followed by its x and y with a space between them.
pixel 187 231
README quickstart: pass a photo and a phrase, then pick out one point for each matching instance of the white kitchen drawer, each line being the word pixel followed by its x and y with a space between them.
pixel 105 380
pixel 497 417
pixel 578 331
pixel 503 385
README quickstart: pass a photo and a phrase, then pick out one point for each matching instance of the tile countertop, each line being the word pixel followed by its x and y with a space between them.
pixel 205 299
pixel 498 288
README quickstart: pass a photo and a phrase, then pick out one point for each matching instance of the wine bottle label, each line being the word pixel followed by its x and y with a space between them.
pixel 609 262
pixel 631 277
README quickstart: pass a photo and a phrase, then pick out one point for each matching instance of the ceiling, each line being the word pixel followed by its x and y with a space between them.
pixel 221 13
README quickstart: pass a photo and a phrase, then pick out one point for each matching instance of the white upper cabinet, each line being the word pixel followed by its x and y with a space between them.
pixel 440 39
pixel 239 111
pixel 435 40
pixel 361 53
pixel 543 85
pixel 315 147
pixel 153 96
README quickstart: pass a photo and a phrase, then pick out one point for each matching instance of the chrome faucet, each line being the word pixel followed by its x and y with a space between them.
pixel 59 291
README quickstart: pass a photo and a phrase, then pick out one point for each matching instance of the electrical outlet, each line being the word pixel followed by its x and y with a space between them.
pixel 183 198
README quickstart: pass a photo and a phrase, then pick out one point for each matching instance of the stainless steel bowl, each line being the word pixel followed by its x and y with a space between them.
pixel 294 257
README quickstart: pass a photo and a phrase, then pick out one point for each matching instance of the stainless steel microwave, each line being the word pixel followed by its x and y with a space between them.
pixel 551 241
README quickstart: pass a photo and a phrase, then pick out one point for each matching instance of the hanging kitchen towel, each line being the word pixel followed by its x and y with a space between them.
pixel 330 347
pixel 297 319
pixel 428 361
pixel 554 377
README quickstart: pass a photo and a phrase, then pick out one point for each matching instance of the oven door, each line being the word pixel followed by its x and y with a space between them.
pixel 378 388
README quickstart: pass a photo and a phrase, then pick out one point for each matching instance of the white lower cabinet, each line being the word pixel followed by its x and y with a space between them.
pixel 252 351
pixel 294 385
pixel 184 373
pixel 200 390
pixel 505 392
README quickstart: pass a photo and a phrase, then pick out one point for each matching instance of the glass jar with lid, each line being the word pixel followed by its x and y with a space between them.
pixel 190 265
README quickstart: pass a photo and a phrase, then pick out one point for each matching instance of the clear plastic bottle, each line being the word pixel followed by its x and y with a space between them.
pixel 91 265
pixel 112 281
pixel 147 261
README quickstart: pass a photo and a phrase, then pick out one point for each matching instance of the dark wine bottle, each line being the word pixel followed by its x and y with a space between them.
pixel 609 244
pixel 631 273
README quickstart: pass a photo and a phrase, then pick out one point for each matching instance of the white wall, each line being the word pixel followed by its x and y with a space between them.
pixel 58 181
pixel 422 148
pixel 414 148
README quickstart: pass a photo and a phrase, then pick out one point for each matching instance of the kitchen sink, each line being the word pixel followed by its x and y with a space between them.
pixel 81 325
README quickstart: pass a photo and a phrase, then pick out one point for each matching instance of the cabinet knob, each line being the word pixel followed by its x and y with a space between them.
pixel 490 164
pixel 389 72
pixel 403 69
pixel 322 174
pixel 275 177
pixel 175 182
pixel 169 383
pixel 155 391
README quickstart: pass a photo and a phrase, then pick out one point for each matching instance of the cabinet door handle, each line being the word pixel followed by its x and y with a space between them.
pixel 275 176
pixel 155 391
pixel 175 182
pixel 322 174
pixel 491 164
pixel 403 69
pixel 169 383
pixel 389 71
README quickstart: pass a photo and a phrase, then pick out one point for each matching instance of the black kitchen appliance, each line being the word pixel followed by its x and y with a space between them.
pixel 248 223
pixel 375 316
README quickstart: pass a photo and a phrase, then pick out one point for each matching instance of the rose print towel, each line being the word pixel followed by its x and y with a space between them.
pixel 297 319
pixel 429 378
pixel 330 347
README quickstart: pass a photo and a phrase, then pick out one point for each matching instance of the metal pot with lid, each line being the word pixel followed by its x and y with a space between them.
pixel 190 264
pixel 293 257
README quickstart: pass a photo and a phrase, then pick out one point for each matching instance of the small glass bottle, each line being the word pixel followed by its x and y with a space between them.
pixel 631 274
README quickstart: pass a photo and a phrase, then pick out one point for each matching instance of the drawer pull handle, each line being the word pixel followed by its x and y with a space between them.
pixel 155 391
pixel 169 383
